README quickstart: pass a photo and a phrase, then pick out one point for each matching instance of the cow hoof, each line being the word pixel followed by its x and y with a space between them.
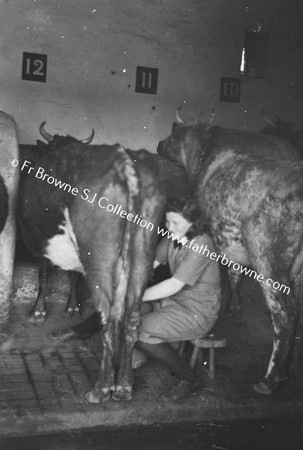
pixel 267 387
pixel 123 394
pixel 262 388
pixel 37 316
pixel 91 397
pixel 72 310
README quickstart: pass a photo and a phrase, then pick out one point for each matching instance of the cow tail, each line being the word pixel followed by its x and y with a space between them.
pixel 128 176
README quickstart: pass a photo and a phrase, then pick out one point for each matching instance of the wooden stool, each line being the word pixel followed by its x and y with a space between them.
pixel 211 342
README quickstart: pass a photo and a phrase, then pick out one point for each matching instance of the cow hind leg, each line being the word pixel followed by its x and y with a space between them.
pixel 106 382
pixel 101 290
pixel 138 276
pixel 128 337
pixel 99 244
pixel 281 301
pixel 108 300
pixel 141 256
pixel 127 313
pixel 283 315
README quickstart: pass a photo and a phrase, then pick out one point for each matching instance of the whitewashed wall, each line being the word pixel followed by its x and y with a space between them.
pixel 94 47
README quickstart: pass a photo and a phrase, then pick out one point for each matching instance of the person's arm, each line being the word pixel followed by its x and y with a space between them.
pixel 164 289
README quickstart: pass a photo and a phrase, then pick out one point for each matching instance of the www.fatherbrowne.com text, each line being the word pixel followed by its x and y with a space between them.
pixel 203 250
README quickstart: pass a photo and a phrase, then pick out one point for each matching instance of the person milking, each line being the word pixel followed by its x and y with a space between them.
pixel 184 306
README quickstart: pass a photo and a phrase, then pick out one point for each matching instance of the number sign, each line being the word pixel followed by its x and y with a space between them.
pixel 230 89
pixel 146 80
pixel 34 67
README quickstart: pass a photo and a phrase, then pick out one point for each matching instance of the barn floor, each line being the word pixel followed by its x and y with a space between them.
pixel 42 385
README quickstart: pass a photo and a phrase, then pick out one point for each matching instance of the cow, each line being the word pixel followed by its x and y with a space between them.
pixel 95 210
pixel 9 185
pixel 257 144
pixel 254 211
pixel 35 153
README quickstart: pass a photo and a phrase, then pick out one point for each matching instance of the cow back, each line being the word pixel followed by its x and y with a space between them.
pixel 258 144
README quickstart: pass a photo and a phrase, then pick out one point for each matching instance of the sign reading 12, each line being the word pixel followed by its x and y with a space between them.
pixel 34 67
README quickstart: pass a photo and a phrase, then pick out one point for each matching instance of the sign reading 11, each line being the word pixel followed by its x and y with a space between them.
pixel 34 67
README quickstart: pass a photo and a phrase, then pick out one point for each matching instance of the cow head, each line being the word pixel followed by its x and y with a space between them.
pixel 185 135
pixel 56 141
pixel 34 153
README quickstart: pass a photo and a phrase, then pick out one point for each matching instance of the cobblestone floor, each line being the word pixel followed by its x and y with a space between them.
pixel 42 385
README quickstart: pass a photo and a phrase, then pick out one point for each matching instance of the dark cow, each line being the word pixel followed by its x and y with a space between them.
pixel 95 209
pixel 254 210
pixel 35 153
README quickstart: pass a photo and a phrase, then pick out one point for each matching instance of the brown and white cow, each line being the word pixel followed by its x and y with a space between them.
pixel 77 228
pixel 254 209
pixel 9 154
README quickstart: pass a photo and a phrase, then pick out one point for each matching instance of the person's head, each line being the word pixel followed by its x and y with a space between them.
pixel 183 218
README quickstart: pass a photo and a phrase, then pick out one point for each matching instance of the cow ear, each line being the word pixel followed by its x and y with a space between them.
pixel 176 130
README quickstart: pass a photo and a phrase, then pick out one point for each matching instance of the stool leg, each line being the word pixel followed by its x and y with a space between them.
pixel 211 371
pixel 194 357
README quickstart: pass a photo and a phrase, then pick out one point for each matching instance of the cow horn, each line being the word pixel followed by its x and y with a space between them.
pixel 212 117
pixel 48 137
pixel 179 120
pixel 89 139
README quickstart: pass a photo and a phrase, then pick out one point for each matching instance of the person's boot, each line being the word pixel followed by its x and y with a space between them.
pixel 188 383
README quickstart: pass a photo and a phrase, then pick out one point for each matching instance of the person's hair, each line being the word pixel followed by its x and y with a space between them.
pixel 188 209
